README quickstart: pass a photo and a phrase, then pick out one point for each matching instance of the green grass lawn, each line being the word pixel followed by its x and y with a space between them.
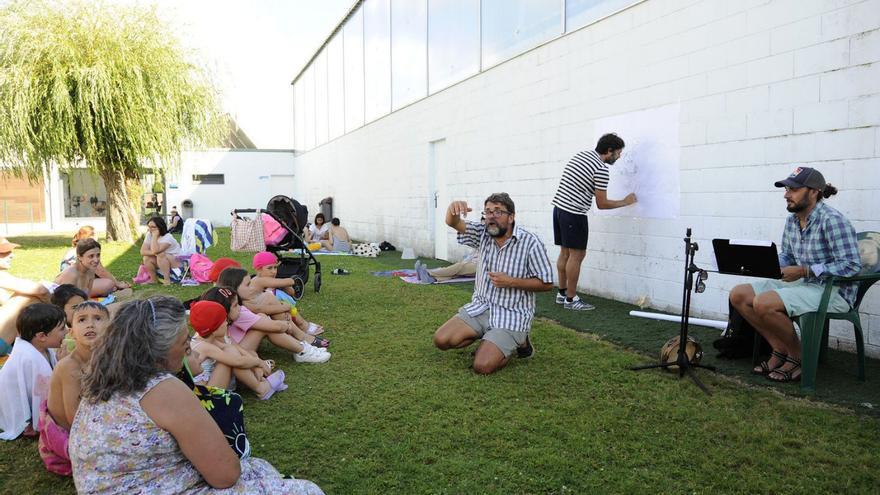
pixel 391 414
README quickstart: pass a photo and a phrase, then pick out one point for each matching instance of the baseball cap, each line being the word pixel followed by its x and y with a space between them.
pixel 804 177
pixel 264 258
pixel 206 316
pixel 6 246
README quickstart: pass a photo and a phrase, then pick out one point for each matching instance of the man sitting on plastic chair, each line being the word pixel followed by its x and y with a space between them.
pixel 197 237
pixel 818 242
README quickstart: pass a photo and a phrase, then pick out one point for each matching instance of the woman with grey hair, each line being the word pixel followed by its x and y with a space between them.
pixel 140 429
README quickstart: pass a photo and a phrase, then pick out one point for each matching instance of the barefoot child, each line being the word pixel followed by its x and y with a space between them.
pixel 24 379
pixel 89 321
pixel 249 329
pixel 219 360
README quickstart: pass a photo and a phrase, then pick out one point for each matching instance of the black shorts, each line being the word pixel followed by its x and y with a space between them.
pixel 570 230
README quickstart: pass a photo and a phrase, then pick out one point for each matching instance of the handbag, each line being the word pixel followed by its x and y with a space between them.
pixel 247 235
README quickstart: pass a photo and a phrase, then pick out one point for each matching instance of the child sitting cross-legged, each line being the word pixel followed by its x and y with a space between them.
pixel 89 321
pixel 24 379
pixel 220 359
pixel 248 329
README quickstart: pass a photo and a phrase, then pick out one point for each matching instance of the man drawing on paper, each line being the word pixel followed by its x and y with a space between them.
pixel 818 241
pixel 513 266
pixel 585 176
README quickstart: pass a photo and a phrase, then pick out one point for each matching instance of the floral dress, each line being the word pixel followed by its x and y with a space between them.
pixel 115 448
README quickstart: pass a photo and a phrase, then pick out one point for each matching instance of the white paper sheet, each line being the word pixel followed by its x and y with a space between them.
pixel 649 165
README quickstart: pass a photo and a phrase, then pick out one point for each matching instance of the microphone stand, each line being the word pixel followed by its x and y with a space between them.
pixel 685 367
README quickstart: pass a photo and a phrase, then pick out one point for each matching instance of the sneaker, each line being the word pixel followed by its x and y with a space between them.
pixel 311 354
pixel 527 351
pixel 560 299
pixel 577 305
pixel 424 276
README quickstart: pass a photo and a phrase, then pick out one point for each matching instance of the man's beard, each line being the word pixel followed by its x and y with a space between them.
pixel 496 230
pixel 799 206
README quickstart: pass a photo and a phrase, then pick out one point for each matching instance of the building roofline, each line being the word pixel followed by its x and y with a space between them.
pixel 335 30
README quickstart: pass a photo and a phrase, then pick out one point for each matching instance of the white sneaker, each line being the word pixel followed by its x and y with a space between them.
pixel 577 305
pixel 560 299
pixel 311 354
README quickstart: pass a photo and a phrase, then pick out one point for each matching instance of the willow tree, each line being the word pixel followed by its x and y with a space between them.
pixel 104 86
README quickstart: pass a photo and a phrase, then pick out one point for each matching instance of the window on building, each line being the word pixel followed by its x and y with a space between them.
pixel 203 179
pixel 308 79
pixel 320 67
pixel 299 116
pixel 377 58
pixel 510 27
pixel 453 42
pixel 409 51
pixel 335 88
pixel 579 13
pixel 353 39
pixel 84 194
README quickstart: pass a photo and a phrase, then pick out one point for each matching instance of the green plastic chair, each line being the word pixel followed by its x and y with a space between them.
pixel 814 326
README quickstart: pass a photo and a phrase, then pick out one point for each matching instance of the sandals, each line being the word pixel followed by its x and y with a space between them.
pixel 765 365
pixel 315 329
pixel 787 374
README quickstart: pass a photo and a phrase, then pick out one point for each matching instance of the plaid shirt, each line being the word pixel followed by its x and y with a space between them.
pixel 827 245
pixel 522 256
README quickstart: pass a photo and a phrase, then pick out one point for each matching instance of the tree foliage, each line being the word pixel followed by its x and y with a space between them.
pixel 104 85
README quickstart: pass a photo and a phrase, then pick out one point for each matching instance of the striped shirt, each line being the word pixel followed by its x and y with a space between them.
pixel 583 174
pixel 827 245
pixel 522 256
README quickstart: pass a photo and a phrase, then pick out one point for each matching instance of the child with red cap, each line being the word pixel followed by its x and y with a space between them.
pixel 220 359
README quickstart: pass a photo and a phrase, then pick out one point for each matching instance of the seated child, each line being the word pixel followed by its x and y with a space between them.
pixel 249 329
pixel 83 273
pixel 89 321
pixel 266 285
pixel 15 294
pixel 24 379
pixel 66 297
pixel 218 359
pixel 105 282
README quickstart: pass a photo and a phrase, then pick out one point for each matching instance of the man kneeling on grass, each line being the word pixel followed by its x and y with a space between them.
pixel 514 266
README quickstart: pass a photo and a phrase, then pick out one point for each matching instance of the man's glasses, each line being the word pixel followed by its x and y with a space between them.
pixel 494 213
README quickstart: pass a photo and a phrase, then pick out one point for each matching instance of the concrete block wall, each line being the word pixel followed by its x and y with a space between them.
pixel 762 86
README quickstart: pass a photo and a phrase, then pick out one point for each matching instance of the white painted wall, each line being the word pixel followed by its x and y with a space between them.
pixel 251 178
pixel 763 86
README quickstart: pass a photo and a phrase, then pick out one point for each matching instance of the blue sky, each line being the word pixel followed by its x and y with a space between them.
pixel 255 48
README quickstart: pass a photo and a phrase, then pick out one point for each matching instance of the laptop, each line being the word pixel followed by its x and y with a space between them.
pixel 746 257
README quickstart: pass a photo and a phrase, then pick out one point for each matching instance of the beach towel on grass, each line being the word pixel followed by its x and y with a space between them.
pixel 24 383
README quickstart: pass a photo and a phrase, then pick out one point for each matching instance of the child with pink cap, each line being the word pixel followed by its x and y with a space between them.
pixel 266 266
pixel 220 359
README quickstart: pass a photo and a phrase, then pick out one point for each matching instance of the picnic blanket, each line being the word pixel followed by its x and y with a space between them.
pixel 320 251
pixel 403 272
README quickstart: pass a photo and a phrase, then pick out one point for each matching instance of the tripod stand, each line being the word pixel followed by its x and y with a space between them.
pixel 685 367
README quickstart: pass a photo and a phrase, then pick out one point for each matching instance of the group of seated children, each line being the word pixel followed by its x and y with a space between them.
pixel 230 321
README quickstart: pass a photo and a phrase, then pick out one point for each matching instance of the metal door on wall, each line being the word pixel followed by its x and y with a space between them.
pixel 438 197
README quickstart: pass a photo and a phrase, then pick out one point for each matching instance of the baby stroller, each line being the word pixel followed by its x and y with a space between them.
pixel 292 216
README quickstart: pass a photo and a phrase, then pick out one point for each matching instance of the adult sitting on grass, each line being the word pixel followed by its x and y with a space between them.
pixel 319 230
pixel 514 266
pixel 818 242
pixel 141 430
pixel 339 240
pixel 105 282
pixel 159 251
pixel 15 295
pixel 83 273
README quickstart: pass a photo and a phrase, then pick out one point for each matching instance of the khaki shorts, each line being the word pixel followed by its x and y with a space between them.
pixel 800 297
pixel 504 339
